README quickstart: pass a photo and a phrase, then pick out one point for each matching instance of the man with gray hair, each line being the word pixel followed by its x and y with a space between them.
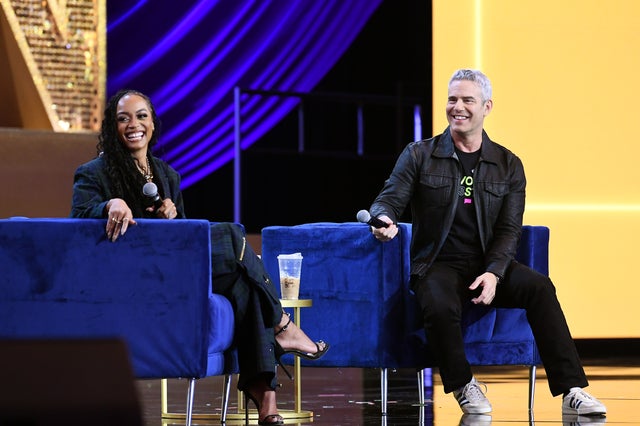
pixel 464 241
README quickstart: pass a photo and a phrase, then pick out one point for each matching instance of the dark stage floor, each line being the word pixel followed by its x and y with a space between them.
pixel 351 396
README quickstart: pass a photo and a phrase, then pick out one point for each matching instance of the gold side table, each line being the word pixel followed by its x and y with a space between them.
pixel 298 412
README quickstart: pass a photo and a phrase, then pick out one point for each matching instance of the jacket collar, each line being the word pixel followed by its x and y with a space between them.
pixel 445 148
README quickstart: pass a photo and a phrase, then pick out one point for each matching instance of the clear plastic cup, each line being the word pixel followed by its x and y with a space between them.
pixel 290 266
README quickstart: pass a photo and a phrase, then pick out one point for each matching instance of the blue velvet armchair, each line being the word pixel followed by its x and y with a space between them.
pixel 62 279
pixel 363 306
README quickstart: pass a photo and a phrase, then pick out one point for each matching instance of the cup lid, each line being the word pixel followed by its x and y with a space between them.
pixel 290 256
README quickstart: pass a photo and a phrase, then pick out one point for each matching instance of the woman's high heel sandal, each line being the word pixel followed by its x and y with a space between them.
pixel 279 352
pixel 269 419
pixel 321 346
pixel 306 355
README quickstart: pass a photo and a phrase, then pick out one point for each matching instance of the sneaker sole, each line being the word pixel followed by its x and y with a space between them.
pixel 574 412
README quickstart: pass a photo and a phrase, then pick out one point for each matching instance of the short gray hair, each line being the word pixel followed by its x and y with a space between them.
pixel 477 77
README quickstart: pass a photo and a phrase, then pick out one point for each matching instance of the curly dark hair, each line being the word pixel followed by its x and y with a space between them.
pixel 126 180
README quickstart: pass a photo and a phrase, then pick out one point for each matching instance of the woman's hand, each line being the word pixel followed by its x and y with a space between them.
pixel 119 217
pixel 167 210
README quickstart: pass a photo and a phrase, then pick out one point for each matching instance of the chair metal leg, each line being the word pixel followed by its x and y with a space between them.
pixel 421 387
pixel 532 386
pixel 226 389
pixel 190 393
pixel 383 389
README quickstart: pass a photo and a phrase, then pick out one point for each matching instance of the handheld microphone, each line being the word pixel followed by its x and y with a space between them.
pixel 150 190
pixel 365 217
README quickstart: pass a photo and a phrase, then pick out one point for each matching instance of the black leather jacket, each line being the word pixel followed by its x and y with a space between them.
pixel 427 175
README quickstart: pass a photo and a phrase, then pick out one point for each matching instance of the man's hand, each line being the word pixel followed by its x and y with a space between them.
pixel 488 281
pixel 385 234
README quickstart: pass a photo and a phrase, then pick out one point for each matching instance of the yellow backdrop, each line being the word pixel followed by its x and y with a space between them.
pixel 565 86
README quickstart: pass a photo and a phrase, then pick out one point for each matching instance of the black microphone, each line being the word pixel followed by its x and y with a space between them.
pixel 150 190
pixel 365 217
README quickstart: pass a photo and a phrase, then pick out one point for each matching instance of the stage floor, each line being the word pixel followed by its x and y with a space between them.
pixel 351 396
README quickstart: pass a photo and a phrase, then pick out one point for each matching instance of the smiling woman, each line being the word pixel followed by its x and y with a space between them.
pixel 110 186
pixel 135 128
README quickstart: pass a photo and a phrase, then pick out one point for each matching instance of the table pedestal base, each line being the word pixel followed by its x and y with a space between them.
pixel 240 416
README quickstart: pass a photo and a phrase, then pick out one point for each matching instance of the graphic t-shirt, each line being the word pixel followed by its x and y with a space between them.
pixel 463 240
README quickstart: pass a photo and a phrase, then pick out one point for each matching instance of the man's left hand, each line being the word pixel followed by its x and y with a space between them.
pixel 488 281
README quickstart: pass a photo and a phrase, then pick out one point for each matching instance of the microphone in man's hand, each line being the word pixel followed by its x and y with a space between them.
pixel 150 190
pixel 365 217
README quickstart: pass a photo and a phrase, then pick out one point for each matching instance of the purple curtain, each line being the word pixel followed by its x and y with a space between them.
pixel 189 55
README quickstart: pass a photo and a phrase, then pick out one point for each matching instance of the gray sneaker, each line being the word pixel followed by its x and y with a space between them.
pixel 580 403
pixel 472 399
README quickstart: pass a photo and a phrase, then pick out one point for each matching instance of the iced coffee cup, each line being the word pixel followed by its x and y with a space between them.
pixel 290 266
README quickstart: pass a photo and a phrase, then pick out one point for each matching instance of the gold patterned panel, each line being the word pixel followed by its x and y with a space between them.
pixel 53 64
